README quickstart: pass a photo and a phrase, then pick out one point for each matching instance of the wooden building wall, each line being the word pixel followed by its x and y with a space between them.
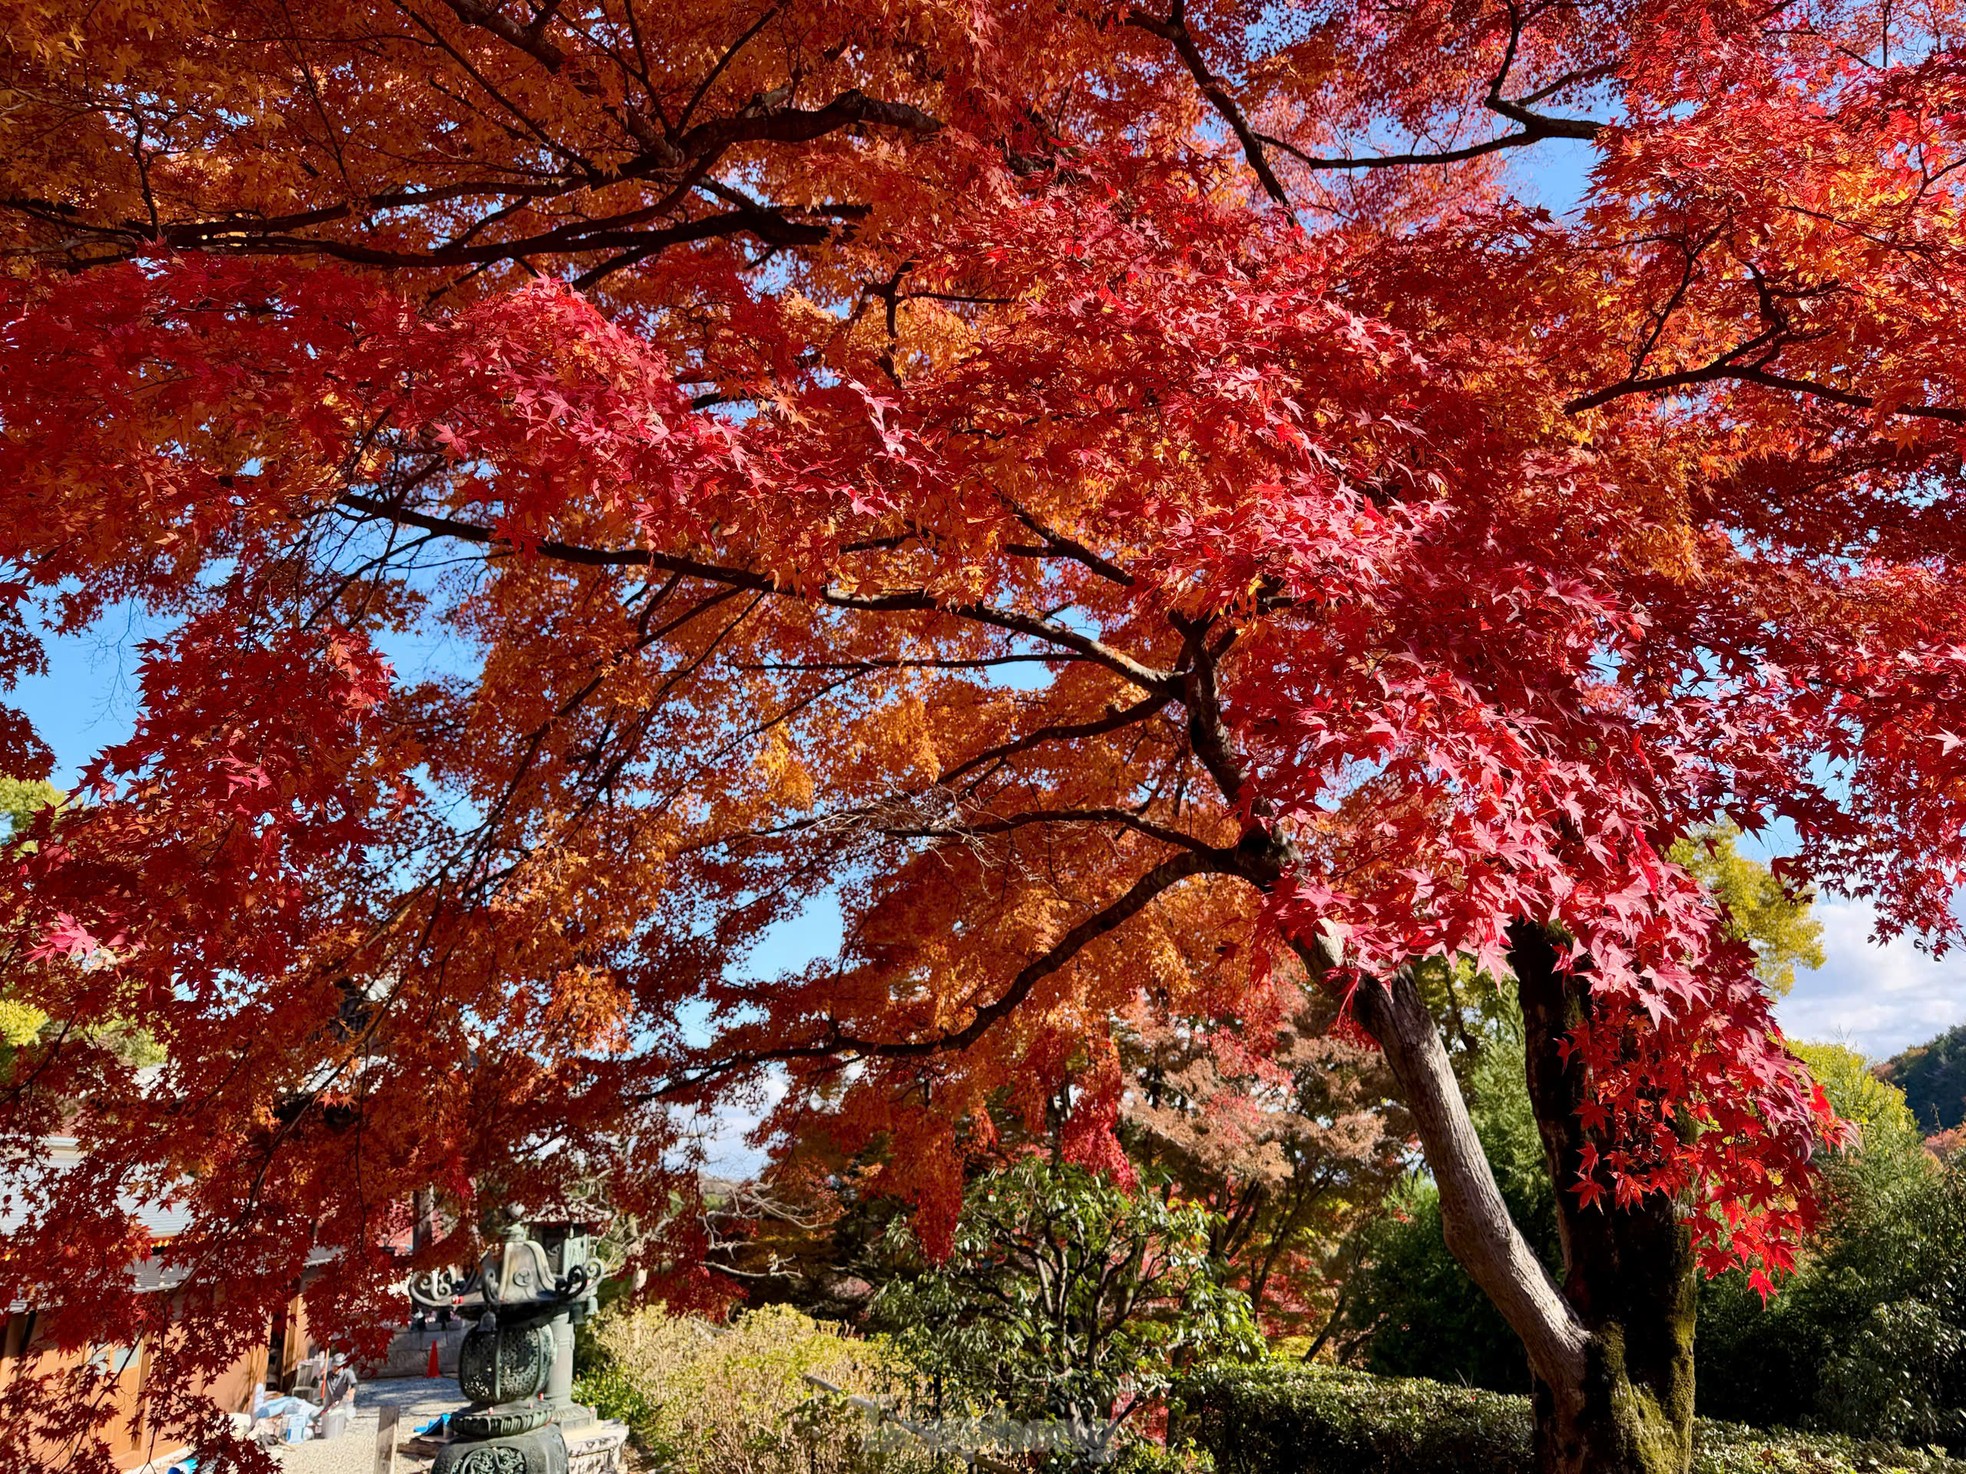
pixel 131 1443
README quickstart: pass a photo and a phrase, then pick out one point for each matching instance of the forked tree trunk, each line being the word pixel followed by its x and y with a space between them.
pixel 1611 1349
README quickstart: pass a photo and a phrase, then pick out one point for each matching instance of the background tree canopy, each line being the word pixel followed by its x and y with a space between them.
pixel 1933 1078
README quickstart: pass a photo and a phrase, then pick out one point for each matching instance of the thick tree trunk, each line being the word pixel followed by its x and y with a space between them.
pixel 1611 1349
pixel 1629 1274
pixel 1633 1412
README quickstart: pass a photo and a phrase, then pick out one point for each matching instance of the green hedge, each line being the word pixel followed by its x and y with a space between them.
pixel 1293 1419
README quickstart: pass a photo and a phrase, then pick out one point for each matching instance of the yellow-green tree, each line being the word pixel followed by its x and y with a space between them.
pixel 20 800
pixel 1774 919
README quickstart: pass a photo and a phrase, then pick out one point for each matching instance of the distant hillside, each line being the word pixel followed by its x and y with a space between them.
pixel 1933 1078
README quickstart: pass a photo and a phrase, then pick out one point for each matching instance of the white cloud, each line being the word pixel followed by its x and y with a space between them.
pixel 1876 999
pixel 723 1129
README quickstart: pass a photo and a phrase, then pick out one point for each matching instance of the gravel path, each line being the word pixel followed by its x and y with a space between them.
pixel 420 1398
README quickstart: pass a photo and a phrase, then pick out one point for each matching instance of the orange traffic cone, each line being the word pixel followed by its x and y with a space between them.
pixel 436 1367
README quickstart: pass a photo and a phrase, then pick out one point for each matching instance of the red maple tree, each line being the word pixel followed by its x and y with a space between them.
pixel 1293 1142
pixel 1069 480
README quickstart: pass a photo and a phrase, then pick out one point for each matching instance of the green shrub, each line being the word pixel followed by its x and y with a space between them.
pixel 1275 1419
pixel 1734 1448
pixel 1318 1420
pixel 1142 1457
pixel 1869 1336
pixel 609 1391
pixel 1066 1301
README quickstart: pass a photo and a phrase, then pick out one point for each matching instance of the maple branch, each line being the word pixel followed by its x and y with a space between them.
pixel 900 601
pixel 529 39
pixel 1037 626
pixel 1536 127
pixel 1059 545
pixel 1174 30
pixel 889 818
pixel 1130 903
pixel 1569 79
pixel 903 662
pixel 1518 111
pixel 770 227
pixel 685 156
pixel 1125 818
pixel 244 237
pixel 1112 721
pixel 536 739
pixel 1136 898
pixel 745 37
pixel 1690 253
pixel 1208 731
pixel 1722 371
pixel 768 121
pixel 526 121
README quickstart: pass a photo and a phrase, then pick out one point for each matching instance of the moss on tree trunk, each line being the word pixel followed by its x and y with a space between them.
pixel 1634 1412
pixel 1628 1273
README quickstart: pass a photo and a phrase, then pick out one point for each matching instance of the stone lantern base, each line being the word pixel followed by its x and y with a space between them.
pixel 542 1451
pixel 593 1447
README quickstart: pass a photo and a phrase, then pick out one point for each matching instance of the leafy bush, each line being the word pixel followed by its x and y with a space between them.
pixel 1735 1448
pixel 734 1400
pixel 1275 1419
pixel 1898 1374
pixel 1143 1457
pixel 612 1394
pixel 1066 1301
pixel 1869 1336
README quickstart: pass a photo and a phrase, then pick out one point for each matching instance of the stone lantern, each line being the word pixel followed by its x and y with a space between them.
pixel 516 1362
